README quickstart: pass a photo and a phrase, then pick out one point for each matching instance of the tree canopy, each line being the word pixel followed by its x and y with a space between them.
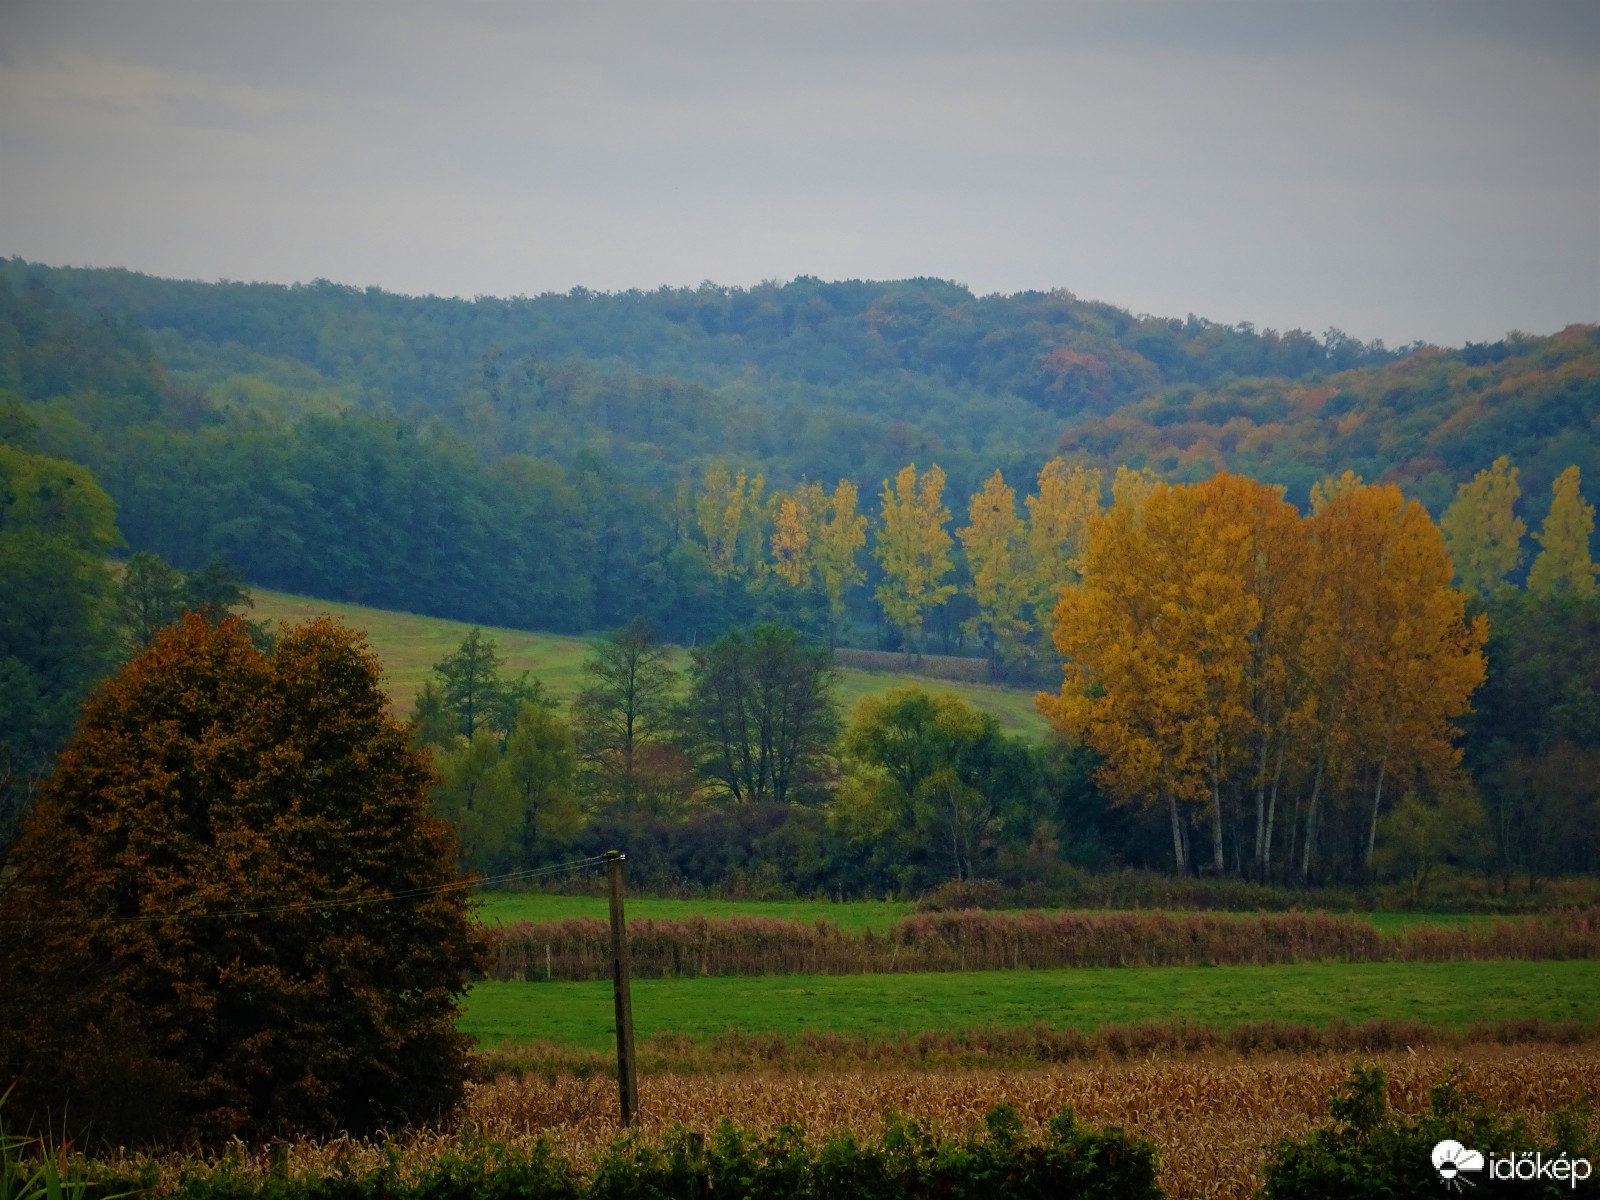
pixel 233 913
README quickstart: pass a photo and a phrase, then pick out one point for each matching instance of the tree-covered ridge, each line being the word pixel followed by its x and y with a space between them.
pixel 1048 347
pixel 544 463
pixel 1426 422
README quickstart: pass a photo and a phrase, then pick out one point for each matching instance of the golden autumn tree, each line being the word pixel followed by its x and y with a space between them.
pixel 729 512
pixel 839 537
pixel 233 914
pixel 1394 659
pixel 1130 488
pixel 1482 532
pixel 1564 564
pixel 1219 643
pixel 795 521
pixel 914 548
pixel 1276 576
pixel 1058 527
pixel 997 555
pixel 1129 690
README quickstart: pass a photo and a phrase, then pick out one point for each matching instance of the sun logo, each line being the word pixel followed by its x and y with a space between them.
pixel 1451 1158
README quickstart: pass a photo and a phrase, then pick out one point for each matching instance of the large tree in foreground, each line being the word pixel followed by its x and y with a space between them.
pixel 233 913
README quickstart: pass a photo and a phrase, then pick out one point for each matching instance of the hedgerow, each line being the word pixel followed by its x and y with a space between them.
pixel 906 1162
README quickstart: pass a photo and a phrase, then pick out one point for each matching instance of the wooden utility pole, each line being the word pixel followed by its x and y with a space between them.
pixel 627 1079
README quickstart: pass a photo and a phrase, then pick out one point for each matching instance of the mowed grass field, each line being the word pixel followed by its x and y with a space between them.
pixel 854 916
pixel 409 645
pixel 580 1014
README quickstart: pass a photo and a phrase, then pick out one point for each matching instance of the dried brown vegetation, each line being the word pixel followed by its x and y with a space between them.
pixel 1022 1047
pixel 579 949
pixel 1210 1114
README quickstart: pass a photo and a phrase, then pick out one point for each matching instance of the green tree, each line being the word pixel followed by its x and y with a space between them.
pixel 624 716
pixel 152 597
pixel 58 620
pixel 469 682
pixel 1482 532
pixel 934 772
pixel 760 716
pixel 233 914
pixel 1564 564
pixel 539 772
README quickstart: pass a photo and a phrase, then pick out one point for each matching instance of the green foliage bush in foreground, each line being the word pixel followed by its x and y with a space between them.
pixel 1368 1153
pixel 907 1161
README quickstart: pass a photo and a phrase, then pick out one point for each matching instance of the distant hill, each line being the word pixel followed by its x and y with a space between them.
pixel 1427 421
pixel 530 462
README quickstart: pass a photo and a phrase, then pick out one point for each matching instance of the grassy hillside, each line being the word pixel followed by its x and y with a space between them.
pixel 409 645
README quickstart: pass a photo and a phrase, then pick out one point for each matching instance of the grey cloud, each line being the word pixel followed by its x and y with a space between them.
pixel 1401 170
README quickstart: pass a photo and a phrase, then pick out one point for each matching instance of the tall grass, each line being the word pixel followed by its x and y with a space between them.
pixel 579 949
pixel 1023 1046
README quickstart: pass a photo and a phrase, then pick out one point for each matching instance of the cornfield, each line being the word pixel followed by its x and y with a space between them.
pixel 1212 1115
pixel 1022 1047
pixel 579 949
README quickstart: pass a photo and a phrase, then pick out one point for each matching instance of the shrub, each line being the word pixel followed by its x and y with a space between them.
pixel 234 915
pixel 907 1162
pixel 1369 1152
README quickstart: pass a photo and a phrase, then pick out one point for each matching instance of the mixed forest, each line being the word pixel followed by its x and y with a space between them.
pixel 1301 610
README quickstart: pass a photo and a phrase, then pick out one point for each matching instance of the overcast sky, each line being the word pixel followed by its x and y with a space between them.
pixel 1398 170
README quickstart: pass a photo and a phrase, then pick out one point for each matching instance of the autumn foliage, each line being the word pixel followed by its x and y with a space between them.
pixel 1226 655
pixel 234 915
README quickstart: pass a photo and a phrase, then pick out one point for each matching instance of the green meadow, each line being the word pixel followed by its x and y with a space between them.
pixel 580 1014
pixel 504 908
pixel 409 645
pixel 853 916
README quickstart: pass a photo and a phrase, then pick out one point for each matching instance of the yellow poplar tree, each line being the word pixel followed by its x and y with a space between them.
pixel 1058 527
pixel 1131 488
pixel 1563 564
pixel 1128 690
pixel 729 514
pixel 914 549
pixel 1482 532
pixel 839 537
pixel 997 555
pixel 794 534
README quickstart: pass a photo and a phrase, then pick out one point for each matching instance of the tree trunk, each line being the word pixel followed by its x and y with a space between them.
pixel 1311 817
pixel 1182 867
pixel 1377 798
pixel 1272 811
pixel 1216 816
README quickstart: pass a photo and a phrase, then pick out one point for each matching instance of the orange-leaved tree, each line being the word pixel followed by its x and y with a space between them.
pixel 234 914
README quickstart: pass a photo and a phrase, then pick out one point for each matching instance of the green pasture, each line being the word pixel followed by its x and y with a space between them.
pixel 580 1014
pixel 409 645
pixel 503 908
pixel 854 916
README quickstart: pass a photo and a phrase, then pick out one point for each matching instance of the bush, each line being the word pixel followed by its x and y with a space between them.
pixel 1070 1160
pixel 234 915
pixel 1368 1152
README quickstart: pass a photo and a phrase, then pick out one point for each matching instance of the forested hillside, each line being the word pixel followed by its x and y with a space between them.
pixel 536 462
pixel 758 474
